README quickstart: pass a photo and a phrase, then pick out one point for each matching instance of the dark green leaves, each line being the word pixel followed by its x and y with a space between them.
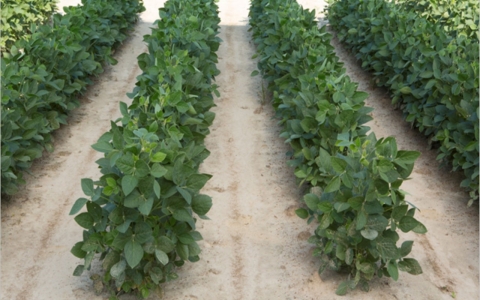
pixel 141 213
pixel 201 204
pixel 128 184
pixel 133 253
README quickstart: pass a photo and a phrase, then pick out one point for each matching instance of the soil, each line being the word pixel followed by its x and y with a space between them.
pixel 254 245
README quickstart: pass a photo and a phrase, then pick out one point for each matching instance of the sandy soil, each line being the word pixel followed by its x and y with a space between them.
pixel 255 246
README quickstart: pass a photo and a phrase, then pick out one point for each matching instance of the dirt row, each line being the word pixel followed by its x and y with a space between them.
pixel 254 245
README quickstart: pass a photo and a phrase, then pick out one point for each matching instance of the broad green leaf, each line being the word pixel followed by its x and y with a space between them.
pixel 78 270
pixel 133 200
pixel 77 250
pixel 182 215
pixel 201 204
pixel 410 266
pixel 338 164
pixel 182 251
pixel 185 238
pixel 87 187
pixel 161 256
pixel 197 181
pixel 118 268
pixel 349 256
pixel 399 212
pixel 158 157
pixel 254 73
pixel 406 248
pixel 158 170
pixel 78 206
pixel 165 244
pixel 311 200
pixel 104 147
pixel 185 194
pixel 302 213
pixel 143 232
pixel 126 164
pixel 377 222
pixel 85 220
pixel 420 228
pixel 110 260
pixel 333 185
pixel 342 289
pixel 387 249
pixel 133 253
pixel 407 223
pixel 369 234
pixel 392 270
pixel 156 189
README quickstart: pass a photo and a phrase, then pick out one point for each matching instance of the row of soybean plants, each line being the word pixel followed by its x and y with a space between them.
pixel 354 178
pixel 17 17
pixel 428 56
pixel 43 75
pixel 141 213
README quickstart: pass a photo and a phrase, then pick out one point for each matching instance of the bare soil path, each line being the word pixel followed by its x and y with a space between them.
pixel 254 245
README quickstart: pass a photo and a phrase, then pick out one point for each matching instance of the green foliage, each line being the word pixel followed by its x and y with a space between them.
pixel 17 17
pixel 430 64
pixel 43 75
pixel 141 212
pixel 454 17
pixel 355 179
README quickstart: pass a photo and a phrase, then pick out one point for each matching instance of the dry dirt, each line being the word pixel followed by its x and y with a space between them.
pixel 254 245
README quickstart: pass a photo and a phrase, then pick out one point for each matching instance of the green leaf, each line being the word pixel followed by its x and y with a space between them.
pixel 143 232
pixel 254 73
pixel 182 215
pixel 146 206
pixel 369 234
pixel 182 251
pixel 77 250
pixel 161 256
pixel 87 187
pixel 339 165
pixel 185 238
pixel 420 228
pixel 165 244
pixel 78 206
pixel 302 213
pixel 133 200
pixel 78 270
pixel 406 248
pixel 341 206
pixel 333 185
pixel 133 253
pixel 110 260
pixel 201 204
pixel 118 268
pixel 103 147
pixel 158 157
pixel 156 188
pixel 185 194
pixel 197 181
pixel 407 223
pixel 387 248
pixel 85 220
pixel 342 288
pixel 377 222
pixel 399 212
pixel 311 200
pixel 392 270
pixel 410 265
pixel 406 90
pixel 349 256
pixel 361 220
pixel 158 170
pixel 126 163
